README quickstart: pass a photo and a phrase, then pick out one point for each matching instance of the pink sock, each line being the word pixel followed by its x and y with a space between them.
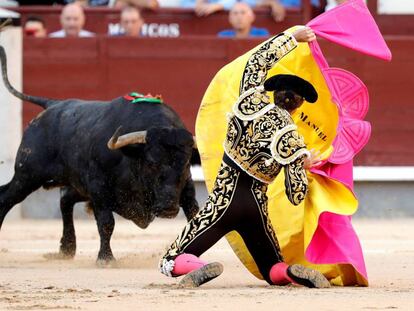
pixel 278 274
pixel 185 263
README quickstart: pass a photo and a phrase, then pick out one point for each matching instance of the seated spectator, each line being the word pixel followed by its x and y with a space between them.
pixel 207 7
pixel 241 18
pixel 277 8
pixel 131 21
pixel 35 27
pixel 142 4
pixel 297 3
pixel 148 4
pixel 72 20
pixel 41 2
pixel 95 2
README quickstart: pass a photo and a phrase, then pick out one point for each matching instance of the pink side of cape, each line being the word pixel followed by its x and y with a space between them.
pixel 352 25
pixel 335 240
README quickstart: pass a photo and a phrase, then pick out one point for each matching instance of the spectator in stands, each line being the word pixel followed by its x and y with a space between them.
pixel 207 7
pixel 148 4
pixel 276 6
pixel 142 4
pixel 94 2
pixel 41 2
pixel 72 20
pixel 131 21
pixel 35 27
pixel 297 3
pixel 241 18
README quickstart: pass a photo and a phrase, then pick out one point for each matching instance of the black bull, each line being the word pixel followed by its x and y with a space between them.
pixel 75 144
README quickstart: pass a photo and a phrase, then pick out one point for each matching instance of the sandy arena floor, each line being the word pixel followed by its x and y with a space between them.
pixel 30 281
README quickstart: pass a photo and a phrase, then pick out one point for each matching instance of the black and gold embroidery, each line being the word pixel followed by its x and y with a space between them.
pixel 296 181
pixel 249 143
pixel 252 103
pixel 250 139
pixel 253 99
pixel 217 204
pixel 264 58
pixel 259 190
pixel 288 145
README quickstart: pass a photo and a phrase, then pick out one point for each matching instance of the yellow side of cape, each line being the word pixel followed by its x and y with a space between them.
pixel 294 225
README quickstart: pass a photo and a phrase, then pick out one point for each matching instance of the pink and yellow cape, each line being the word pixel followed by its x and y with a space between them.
pixel 318 233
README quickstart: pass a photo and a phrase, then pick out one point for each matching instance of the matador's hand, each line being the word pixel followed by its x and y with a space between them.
pixel 304 34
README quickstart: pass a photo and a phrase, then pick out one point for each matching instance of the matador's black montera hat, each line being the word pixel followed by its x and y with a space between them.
pixel 292 83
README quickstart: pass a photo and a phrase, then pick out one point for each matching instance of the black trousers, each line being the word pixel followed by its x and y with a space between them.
pixel 238 202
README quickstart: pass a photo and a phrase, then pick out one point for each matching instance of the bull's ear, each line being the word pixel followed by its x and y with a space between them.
pixel 170 137
pixel 184 137
pixel 155 135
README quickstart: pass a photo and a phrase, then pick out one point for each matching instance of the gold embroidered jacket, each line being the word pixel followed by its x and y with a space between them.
pixel 261 137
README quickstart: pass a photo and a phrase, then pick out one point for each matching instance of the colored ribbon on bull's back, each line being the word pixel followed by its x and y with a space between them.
pixel 318 233
pixel 135 97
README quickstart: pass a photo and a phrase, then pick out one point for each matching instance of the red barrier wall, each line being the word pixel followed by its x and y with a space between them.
pixel 181 69
pixel 104 68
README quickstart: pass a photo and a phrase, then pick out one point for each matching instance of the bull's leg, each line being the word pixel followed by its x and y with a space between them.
pixel 106 223
pixel 15 192
pixel 68 198
pixel 188 201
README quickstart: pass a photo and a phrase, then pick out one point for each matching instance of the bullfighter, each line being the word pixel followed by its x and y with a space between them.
pixel 261 140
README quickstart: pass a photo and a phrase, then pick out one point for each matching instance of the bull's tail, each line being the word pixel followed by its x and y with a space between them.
pixel 40 101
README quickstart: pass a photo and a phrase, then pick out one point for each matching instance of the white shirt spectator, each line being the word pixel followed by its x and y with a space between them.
pixel 72 20
pixel 61 34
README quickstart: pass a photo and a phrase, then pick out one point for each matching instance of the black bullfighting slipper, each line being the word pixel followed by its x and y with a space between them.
pixel 200 276
pixel 307 277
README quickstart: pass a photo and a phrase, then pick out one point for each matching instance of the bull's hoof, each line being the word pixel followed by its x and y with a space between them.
pixel 106 263
pixel 200 276
pixel 58 256
pixel 67 246
pixel 307 277
pixel 67 253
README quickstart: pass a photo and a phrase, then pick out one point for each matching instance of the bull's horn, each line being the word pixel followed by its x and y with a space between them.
pixel 195 142
pixel 117 141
